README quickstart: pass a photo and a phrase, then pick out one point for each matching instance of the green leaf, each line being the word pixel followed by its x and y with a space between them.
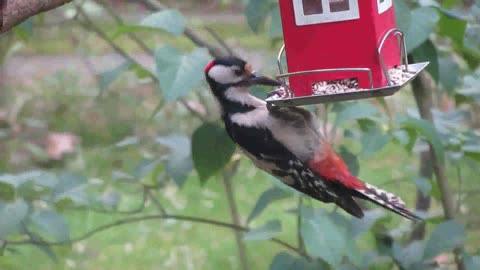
pixel 169 20
pixel 350 159
pixel 452 27
pixel 471 262
pixel 354 111
pixel 110 199
pixel 265 232
pixel 286 261
pixel 360 226
pixel 428 131
pixel 7 191
pixel 256 13
pixel 148 171
pixel 446 236
pixel 71 187
pixel 402 15
pixel 46 249
pixel 25 29
pixel 212 149
pixel 179 162
pixel 323 237
pixel 422 24
pixel 410 255
pixel 427 52
pixel 373 140
pixel 265 199
pixel 52 224
pixel 423 185
pixel 11 216
pixel 109 76
pixel 449 73
pixel 275 24
pixel 179 73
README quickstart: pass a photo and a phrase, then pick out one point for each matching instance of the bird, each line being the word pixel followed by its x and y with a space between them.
pixel 286 142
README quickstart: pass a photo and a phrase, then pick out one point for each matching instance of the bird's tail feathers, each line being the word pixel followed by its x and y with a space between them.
pixel 386 200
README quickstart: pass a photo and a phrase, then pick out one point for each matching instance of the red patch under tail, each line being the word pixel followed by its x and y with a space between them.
pixel 330 166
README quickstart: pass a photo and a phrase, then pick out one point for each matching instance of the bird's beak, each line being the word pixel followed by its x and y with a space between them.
pixel 255 79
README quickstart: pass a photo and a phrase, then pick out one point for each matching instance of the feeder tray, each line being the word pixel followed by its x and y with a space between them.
pixel 397 78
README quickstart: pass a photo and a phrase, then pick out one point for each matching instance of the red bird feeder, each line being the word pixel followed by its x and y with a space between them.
pixel 340 50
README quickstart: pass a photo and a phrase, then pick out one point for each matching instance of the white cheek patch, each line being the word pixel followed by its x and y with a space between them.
pixel 223 74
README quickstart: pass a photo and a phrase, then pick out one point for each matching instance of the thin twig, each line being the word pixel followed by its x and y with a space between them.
pixel 227 181
pixel 156 202
pixel 459 195
pixel 120 21
pixel 301 244
pixel 193 111
pixel 220 41
pixel 89 25
pixel 189 33
pixel 150 217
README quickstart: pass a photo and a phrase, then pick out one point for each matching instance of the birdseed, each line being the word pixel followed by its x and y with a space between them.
pixel 398 76
pixel 335 87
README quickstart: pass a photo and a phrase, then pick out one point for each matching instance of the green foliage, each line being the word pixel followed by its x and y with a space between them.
pixel 52 224
pixel 423 22
pixel 211 139
pixel 266 198
pixel 446 236
pixel 12 216
pixel 325 235
pixel 428 53
pixel 179 73
pixel 427 130
pixel 373 139
pixel 179 162
pixel 255 12
pixel 264 232
pixel 353 111
pixel 449 73
pixel 109 76
pixel 286 261
pixel 169 20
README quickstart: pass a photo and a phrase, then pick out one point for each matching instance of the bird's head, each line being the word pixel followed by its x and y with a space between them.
pixel 224 73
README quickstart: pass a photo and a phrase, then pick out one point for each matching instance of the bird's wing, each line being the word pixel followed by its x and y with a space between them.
pixel 273 157
pixel 318 157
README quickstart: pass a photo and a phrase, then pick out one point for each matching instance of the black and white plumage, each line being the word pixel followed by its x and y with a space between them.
pixel 286 143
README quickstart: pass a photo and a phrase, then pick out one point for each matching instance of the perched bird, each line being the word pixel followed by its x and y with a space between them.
pixel 286 143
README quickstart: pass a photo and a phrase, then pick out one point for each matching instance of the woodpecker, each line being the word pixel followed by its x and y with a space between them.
pixel 286 142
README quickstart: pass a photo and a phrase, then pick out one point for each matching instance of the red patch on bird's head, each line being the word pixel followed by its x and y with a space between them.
pixel 209 66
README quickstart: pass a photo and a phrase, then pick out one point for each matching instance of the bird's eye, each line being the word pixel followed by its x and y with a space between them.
pixel 238 72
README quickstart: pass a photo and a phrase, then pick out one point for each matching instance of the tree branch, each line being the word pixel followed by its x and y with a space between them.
pixel 423 87
pixel 227 181
pixel 150 217
pixel 13 12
